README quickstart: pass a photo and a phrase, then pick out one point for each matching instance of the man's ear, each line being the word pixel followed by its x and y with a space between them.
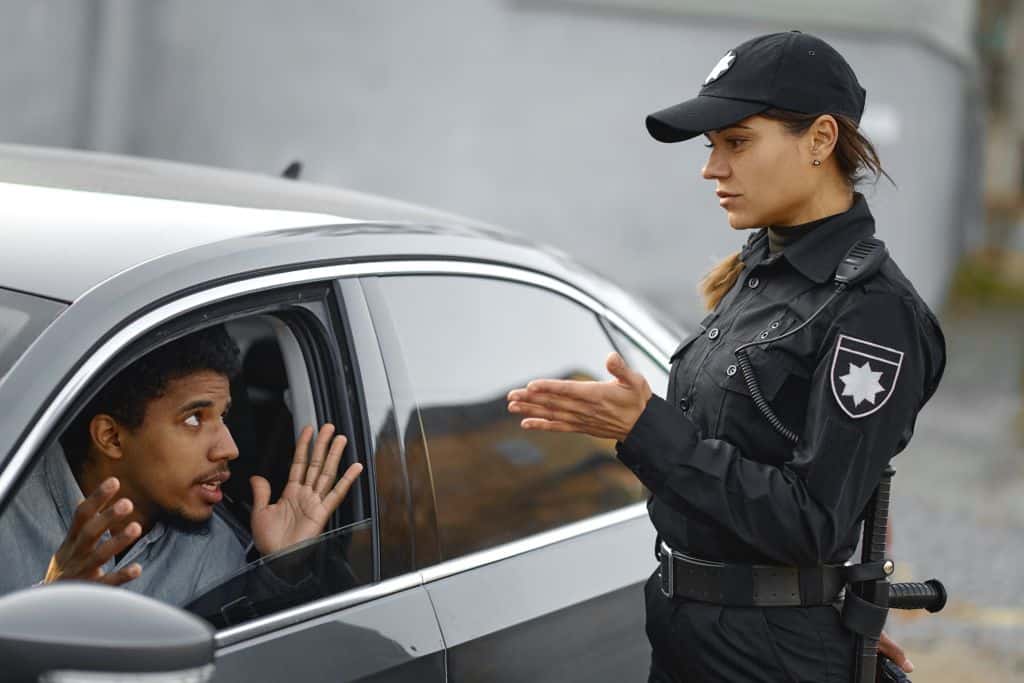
pixel 105 433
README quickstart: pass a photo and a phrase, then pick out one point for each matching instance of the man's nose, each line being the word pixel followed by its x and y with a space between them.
pixel 225 448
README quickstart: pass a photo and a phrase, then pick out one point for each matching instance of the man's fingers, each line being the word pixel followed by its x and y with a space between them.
pixel 90 532
pixel 330 471
pixel 319 455
pixel 115 544
pixel 122 575
pixel 299 460
pixel 337 494
pixel 96 501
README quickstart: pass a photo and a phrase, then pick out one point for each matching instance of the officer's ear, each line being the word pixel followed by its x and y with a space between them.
pixel 823 136
pixel 105 433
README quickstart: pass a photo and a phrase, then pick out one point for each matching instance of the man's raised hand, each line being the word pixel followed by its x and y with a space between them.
pixel 310 496
pixel 81 556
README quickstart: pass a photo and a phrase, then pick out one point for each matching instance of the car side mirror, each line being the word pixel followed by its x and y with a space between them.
pixel 79 632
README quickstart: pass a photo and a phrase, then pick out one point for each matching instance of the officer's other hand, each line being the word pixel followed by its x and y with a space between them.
pixel 81 556
pixel 606 410
pixel 890 649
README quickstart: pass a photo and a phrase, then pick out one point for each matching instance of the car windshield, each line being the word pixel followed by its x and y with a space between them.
pixel 22 318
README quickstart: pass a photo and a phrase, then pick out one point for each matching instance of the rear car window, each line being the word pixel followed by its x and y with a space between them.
pixel 22 318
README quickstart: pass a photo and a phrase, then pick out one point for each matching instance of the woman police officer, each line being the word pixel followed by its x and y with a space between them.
pixel 786 406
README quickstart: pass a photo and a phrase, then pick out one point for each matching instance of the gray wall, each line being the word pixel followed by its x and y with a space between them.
pixel 524 114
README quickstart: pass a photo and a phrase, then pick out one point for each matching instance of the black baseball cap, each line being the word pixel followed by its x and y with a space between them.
pixel 793 71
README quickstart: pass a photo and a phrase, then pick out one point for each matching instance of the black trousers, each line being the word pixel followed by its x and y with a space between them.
pixel 695 642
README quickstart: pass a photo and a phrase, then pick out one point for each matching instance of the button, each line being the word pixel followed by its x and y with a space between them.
pixel 731 370
pixel 764 335
pixel 753 283
pixel 684 404
pixel 713 333
pixel 775 324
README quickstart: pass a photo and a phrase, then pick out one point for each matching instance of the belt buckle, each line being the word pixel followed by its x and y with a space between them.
pixel 668 577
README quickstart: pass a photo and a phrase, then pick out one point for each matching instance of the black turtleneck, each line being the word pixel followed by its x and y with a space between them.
pixel 780 237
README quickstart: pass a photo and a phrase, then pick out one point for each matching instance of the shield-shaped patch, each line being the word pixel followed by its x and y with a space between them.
pixel 864 375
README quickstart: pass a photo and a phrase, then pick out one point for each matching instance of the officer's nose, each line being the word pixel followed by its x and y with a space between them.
pixel 225 447
pixel 715 167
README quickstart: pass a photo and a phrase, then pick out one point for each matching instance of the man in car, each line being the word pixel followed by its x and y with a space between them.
pixel 151 452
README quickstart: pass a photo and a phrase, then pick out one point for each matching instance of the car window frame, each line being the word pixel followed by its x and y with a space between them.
pixel 37 436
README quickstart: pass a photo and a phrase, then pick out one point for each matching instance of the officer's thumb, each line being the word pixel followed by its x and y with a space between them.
pixel 617 367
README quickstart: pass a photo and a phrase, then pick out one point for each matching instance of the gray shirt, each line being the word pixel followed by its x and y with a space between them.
pixel 176 566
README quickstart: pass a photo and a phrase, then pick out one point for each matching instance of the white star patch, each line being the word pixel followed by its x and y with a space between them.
pixel 724 64
pixel 861 384
pixel 871 374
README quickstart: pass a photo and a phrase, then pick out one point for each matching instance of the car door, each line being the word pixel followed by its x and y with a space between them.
pixel 543 539
pixel 380 626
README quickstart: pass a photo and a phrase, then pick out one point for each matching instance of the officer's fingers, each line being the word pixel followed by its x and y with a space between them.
pixel 890 649
pixel 582 391
pixel 96 501
pixel 122 575
pixel 554 402
pixel 616 365
pixel 542 425
pixel 532 410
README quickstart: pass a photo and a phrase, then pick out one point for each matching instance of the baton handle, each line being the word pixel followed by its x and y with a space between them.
pixel 930 595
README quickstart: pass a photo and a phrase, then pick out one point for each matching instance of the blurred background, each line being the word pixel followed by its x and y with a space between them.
pixel 528 114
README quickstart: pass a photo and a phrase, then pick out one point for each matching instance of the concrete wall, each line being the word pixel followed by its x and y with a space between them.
pixel 524 114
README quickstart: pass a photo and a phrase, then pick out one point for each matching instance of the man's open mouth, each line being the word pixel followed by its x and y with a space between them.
pixel 213 482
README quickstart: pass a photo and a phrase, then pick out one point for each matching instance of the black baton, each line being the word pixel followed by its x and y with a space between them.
pixel 876 524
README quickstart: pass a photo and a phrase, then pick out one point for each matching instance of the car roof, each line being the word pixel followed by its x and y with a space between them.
pixel 71 220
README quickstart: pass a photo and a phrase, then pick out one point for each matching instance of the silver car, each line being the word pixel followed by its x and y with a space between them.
pixel 470 550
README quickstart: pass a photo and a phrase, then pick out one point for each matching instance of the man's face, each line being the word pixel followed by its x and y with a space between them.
pixel 175 462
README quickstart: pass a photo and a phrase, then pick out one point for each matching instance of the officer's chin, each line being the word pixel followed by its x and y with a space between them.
pixel 740 221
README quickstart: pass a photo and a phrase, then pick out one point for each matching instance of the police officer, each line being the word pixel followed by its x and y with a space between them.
pixel 786 405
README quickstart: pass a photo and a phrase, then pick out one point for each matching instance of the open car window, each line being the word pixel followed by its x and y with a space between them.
pixel 333 562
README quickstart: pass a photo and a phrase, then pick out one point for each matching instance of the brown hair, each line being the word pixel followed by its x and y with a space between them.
pixel 854 154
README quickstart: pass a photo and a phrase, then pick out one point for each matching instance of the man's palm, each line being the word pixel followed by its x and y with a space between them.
pixel 309 497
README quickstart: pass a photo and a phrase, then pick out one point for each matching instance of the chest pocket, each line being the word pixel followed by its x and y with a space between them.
pixel 783 383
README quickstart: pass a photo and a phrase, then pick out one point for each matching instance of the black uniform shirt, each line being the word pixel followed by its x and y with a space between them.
pixel 727 486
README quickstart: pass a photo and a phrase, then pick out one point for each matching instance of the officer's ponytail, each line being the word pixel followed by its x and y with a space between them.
pixel 720 279
pixel 856 158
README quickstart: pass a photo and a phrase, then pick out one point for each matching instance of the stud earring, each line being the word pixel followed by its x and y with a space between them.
pixel 816 162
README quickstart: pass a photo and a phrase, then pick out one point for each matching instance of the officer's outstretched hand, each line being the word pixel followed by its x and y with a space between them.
pixel 607 410
pixel 312 493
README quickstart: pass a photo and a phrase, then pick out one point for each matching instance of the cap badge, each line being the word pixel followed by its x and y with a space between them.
pixel 724 64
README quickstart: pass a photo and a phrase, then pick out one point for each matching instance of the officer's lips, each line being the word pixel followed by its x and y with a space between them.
pixel 724 198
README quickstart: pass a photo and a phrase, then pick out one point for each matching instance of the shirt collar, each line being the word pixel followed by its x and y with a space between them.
pixel 817 254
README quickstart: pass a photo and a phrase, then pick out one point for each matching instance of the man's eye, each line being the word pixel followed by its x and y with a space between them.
pixel 192 420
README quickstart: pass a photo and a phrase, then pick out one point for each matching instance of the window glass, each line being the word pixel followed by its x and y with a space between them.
pixel 467 341
pixel 22 318
pixel 640 360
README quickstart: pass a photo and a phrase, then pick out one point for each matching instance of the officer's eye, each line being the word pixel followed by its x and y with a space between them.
pixel 192 420
pixel 735 142
pixel 709 145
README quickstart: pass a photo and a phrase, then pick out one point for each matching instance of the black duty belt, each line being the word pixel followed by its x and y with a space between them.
pixel 747 585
